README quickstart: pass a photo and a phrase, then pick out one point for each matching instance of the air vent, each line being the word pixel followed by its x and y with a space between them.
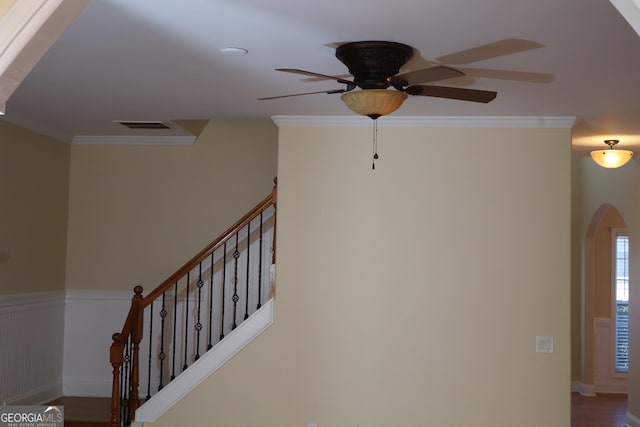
pixel 143 124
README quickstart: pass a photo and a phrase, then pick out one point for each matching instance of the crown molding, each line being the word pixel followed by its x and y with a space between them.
pixel 132 140
pixel 563 122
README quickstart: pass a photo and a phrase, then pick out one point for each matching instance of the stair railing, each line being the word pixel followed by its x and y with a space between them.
pixel 215 291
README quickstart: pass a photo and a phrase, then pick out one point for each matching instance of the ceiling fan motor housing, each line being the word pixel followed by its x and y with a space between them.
pixel 372 62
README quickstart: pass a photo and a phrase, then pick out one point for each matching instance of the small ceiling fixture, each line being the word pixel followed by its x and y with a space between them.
pixel 611 158
pixel 234 51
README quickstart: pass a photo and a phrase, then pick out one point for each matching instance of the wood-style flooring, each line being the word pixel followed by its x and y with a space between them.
pixel 85 411
pixel 603 410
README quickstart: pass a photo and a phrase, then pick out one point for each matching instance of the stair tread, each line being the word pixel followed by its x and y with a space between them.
pixel 87 410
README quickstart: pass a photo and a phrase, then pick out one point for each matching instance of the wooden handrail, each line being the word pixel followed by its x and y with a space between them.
pixel 132 329
pixel 203 254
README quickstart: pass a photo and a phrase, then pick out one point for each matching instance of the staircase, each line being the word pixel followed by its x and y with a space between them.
pixel 196 320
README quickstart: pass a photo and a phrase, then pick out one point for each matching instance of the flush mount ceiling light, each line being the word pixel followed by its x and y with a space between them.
pixel 234 51
pixel 611 158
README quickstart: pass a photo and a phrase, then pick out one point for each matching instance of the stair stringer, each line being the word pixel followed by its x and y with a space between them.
pixel 210 362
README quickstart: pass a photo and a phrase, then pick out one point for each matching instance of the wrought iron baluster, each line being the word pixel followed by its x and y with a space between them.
pixel 186 325
pixel 210 344
pixel 175 324
pixel 124 406
pixel 123 385
pixel 235 298
pixel 246 297
pixel 150 342
pixel 198 326
pixel 260 268
pixel 162 355
pixel 224 285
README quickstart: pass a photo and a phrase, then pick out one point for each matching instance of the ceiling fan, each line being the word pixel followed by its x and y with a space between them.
pixel 374 66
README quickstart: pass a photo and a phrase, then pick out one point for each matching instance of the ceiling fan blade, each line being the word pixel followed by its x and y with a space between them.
pixel 311 73
pixel 462 94
pixel 306 93
pixel 519 76
pixel 489 50
pixel 425 75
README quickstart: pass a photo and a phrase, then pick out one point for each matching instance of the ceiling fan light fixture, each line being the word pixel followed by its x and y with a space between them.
pixel 611 158
pixel 374 103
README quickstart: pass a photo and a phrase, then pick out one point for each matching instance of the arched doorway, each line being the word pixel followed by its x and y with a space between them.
pixel 602 324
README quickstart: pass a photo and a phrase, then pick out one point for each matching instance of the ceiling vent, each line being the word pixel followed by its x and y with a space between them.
pixel 143 124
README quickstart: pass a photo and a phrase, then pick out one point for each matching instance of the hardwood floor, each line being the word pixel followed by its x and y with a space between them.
pixel 603 410
pixel 85 411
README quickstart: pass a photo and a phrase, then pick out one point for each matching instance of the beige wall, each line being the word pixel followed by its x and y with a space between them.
pixel 619 188
pixel 5 6
pixel 577 258
pixel 137 213
pixel 411 295
pixel 33 219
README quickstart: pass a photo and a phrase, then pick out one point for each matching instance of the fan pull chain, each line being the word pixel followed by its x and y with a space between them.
pixel 375 143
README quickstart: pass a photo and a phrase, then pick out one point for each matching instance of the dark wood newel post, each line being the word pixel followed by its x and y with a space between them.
pixel 132 330
pixel 115 357
pixel 136 337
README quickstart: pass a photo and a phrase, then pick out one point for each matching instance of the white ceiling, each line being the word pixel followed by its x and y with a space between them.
pixel 162 60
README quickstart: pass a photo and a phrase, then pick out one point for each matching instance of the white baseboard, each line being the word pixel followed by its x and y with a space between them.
pixel 583 389
pixel 614 388
pixel 619 387
pixel 39 396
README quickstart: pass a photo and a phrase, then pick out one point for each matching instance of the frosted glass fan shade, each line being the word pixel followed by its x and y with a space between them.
pixel 374 102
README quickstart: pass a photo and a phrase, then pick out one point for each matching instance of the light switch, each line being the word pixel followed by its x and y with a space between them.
pixel 544 344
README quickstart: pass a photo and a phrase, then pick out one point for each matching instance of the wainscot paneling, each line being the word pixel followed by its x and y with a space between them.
pixel 606 379
pixel 91 318
pixel 31 347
